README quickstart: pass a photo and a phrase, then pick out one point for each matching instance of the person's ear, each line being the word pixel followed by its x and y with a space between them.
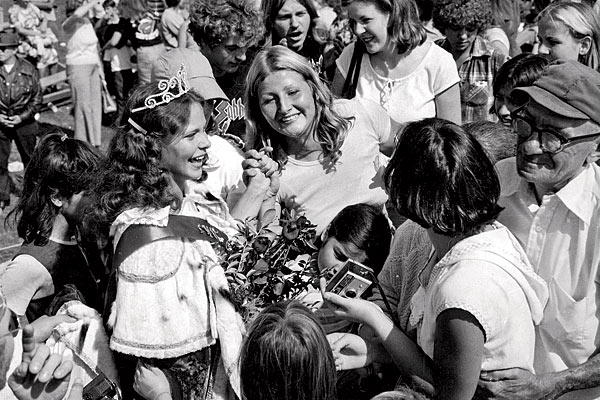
pixel 56 200
pixel 585 45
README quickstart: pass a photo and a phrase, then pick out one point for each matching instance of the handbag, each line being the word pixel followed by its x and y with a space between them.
pixel 351 82
pixel 109 105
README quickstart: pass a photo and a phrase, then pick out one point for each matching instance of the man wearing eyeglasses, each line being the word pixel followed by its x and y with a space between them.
pixel 41 375
pixel 551 195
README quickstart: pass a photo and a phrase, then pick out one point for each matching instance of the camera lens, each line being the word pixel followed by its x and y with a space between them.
pixel 351 293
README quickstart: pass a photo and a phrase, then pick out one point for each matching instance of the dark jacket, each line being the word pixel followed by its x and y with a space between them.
pixel 20 91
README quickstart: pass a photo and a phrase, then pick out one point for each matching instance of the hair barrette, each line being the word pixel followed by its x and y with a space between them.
pixel 136 126
pixel 63 137
pixel 180 85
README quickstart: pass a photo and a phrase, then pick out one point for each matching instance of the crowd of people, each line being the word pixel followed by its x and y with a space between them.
pixel 437 143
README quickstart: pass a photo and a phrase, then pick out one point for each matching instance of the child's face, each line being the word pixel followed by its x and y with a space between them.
pixel 333 254
pixel 557 41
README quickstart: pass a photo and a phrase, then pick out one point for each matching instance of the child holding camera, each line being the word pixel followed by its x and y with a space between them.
pixel 361 233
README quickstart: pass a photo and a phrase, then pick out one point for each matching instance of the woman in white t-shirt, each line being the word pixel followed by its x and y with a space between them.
pixel 410 77
pixel 330 149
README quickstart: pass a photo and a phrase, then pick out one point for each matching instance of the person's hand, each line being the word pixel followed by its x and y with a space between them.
pixel 349 351
pixel 261 160
pixel 4 120
pixel 76 390
pixel 44 325
pixel 150 382
pixel 355 310
pixel 41 375
pixel 283 42
pixel 517 384
pixel 15 120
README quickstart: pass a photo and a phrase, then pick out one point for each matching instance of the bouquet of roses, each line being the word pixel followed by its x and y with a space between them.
pixel 265 265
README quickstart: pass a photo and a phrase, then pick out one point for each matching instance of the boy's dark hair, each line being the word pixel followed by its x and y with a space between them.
pixel 365 226
pixel 519 71
pixel 441 178
pixel 214 22
pixel 474 15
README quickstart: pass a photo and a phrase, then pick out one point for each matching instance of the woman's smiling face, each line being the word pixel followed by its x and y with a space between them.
pixel 370 24
pixel 287 103
pixel 185 155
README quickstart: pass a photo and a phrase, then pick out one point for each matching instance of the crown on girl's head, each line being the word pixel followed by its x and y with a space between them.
pixel 180 85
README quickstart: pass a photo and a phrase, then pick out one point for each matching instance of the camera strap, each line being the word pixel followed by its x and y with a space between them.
pixel 77 351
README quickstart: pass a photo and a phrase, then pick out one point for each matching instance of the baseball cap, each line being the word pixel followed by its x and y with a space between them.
pixel 567 88
pixel 199 72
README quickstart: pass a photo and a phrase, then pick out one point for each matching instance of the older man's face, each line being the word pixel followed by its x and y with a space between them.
pixel 554 171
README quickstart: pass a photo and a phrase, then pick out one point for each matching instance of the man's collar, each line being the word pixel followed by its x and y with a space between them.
pixel 582 193
pixel 480 48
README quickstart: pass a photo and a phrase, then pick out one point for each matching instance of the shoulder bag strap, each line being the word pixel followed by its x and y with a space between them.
pixel 349 90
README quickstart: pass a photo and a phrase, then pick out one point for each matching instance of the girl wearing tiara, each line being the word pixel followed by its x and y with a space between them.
pixel 170 315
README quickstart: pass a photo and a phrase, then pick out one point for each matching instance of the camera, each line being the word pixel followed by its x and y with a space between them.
pixel 352 280
pixel 100 388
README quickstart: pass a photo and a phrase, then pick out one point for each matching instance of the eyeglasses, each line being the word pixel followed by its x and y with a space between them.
pixel 13 325
pixel 550 141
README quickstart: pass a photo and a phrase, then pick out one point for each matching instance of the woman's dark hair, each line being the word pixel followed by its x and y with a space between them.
pixel 519 71
pixel 286 356
pixel 367 228
pixel 59 167
pixel 441 178
pixel 132 174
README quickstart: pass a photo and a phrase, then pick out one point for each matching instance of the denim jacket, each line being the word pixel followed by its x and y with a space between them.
pixel 20 91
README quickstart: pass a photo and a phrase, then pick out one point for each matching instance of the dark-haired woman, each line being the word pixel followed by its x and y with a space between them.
pixel 47 215
pixel 478 291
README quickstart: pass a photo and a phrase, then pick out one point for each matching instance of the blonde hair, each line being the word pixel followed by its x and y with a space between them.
pixel 581 20
pixel 328 128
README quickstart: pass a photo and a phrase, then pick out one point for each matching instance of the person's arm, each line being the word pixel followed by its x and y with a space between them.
pixel 35 103
pixel 114 40
pixel 447 104
pixel 457 355
pixel 519 384
pixel 46 5
pixel 70 23
pixel 22 280
pixel 182 36
pixel 407 356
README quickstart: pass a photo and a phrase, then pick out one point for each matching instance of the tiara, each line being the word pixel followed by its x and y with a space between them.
pixel 180 85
